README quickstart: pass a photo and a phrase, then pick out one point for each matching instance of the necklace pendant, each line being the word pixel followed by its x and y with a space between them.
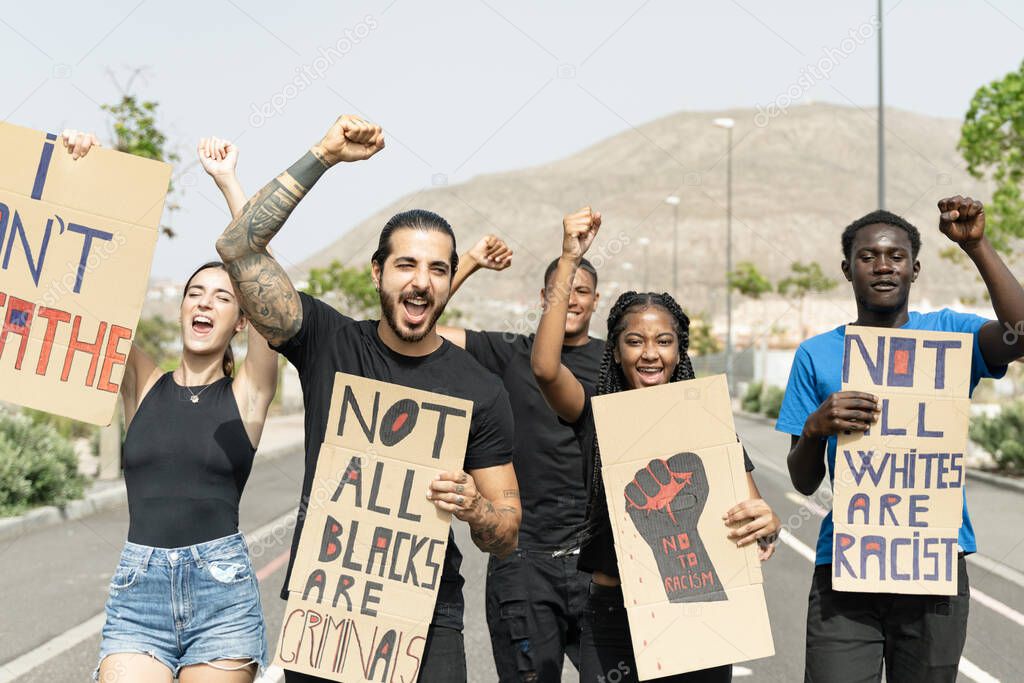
pixel 194 399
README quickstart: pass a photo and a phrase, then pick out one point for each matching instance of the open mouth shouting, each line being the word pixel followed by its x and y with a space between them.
pixel 417 307
pixel 651 375
pixel 202 325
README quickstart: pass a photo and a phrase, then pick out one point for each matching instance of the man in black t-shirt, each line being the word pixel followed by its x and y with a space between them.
pixel 412 270
pixel 536 596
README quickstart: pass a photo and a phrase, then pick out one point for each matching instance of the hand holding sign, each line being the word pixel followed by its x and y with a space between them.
pixel 843 411
pixel 349 139
pixel 78 143
pixel 753 520
pixel 962 220
pixel 456 492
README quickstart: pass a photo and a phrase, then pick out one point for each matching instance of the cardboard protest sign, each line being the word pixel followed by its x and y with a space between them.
pixel 898 488
pixel 371 552
pixel 76 244
pixel 671 467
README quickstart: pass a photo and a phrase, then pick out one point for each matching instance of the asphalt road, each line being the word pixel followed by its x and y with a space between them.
pixel 55 580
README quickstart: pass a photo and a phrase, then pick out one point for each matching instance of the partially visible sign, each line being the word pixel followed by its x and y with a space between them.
pixel 76 244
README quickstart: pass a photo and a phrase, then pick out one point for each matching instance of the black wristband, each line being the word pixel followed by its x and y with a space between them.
pixel 307 170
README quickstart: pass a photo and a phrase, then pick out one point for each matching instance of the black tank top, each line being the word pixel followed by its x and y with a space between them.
pixel 185 465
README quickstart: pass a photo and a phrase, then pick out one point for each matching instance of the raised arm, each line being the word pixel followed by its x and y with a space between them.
pixel 256 380
pixel 962 220
pixel 560 388
pixel 219 159
pixel 491 253
pixel 268 296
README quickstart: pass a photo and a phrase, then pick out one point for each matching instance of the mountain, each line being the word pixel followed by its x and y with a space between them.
pixel 797 181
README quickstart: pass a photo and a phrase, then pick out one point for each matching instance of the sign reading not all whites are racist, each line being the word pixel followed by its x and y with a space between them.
pixel 899 487
pixel 76 244
pixel 371 552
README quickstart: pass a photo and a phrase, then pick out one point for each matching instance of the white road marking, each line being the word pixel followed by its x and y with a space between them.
pixel 89 628
pixel 967 667
pixel 997 568
pixel 996 606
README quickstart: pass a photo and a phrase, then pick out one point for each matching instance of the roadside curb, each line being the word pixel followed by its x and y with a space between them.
pixel 995 479
pixel 111 496
pixel 757 417
pixel 972 473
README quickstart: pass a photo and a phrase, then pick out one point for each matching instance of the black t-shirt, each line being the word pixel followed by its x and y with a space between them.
pixel 597 551
pixel 547 455
pixel 330 342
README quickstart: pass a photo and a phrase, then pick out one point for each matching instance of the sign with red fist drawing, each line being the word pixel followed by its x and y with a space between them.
pixel 671 468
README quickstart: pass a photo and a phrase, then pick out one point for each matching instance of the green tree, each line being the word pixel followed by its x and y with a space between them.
pixel 992 143
pixel 805 278
pixel 135 131
pixel 702 341
pixel 348 289
pixel 159 338
pixel 748 280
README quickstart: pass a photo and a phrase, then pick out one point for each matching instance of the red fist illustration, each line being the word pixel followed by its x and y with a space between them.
pixel 665 501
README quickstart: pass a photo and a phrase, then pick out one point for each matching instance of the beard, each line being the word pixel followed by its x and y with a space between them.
pixel 389 307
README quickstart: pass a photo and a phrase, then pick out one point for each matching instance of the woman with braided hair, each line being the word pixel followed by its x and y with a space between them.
pixel 648 337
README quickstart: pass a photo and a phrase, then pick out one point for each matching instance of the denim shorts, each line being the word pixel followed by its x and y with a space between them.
pixel 185 606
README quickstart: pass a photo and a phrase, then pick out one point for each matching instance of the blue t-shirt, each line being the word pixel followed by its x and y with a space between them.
pixel 816 375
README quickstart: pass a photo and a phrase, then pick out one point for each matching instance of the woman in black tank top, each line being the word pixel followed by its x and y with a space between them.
pixel 184 600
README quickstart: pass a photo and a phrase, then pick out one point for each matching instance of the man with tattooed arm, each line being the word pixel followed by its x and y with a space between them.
pixel 412 270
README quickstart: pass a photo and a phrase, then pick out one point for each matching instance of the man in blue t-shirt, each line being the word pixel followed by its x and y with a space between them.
pixel 849 635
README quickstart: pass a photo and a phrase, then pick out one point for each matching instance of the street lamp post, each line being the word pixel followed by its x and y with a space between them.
pixel 881 116
pixel 673 201
pixel 728 124
pixel 644 242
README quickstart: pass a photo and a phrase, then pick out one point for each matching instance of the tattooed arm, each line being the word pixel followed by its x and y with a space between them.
pixel 488 500
pixel 268 296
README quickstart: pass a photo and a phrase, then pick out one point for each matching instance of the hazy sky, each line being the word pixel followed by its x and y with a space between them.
pixel 464 88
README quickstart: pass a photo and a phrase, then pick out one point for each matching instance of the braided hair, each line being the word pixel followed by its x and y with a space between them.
pixel 611 379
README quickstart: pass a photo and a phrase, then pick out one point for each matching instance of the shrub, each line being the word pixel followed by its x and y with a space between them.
pixel 37 465
pixel 771 401
pixel 752 398
pixel 1002 435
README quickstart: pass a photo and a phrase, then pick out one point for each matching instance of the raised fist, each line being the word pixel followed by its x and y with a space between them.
pixel 962 220
pixel 492 253
pixel 578 232
pixel 218 157
pixel 665 501
pixel 349 139
pixel 78 143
